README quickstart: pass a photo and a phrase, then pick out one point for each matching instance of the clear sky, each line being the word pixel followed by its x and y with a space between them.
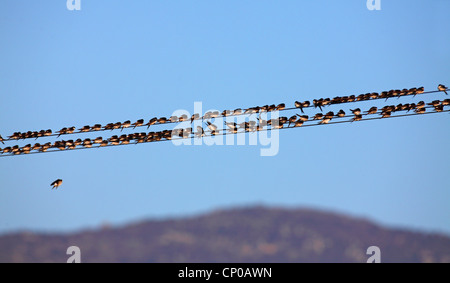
pixel 126 60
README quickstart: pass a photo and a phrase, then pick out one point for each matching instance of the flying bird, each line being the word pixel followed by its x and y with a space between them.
pixel 56 184
pixel 442 88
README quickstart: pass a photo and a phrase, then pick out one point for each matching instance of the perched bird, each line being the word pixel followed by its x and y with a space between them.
pixel 281 106
pixel 211 126
pixel 341 113
pixel 126 124
pixel 151 122
pixel 386 114
pixel 420 104
pixel 303 118
pixel 109 126
pixel 98 140
pixel 197 116
pixel 85 129
pixel 182 118
pixel 298 104
pixel 292 119
pixel 318 116
pixel 118 125
pixel 200 132
pixel 62 131
pixel 232 126
pixel 138 123
pixel 372 110
pixel 442 88
pixel 435 103
pixel 298 123
pixel 439 108
pixel 356 111
pixel 1 139
pixel 325 121
pixel 173 119
pixel 357 117
pixel 97 127
pixel 162 120
pixel 329 115
pixel 56 184
pixel 446 102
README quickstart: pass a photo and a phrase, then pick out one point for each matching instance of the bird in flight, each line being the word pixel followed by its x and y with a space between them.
pixel 56 184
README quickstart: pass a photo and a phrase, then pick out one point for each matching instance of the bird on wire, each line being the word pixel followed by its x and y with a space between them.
pixel 442 88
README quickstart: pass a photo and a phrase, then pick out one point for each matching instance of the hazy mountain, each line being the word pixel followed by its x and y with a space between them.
pixel 256 234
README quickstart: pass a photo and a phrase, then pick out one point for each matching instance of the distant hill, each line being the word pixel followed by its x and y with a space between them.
pixel 255 234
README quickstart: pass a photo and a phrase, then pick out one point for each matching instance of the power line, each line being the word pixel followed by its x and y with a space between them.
pixel 353 100
pixel 224 132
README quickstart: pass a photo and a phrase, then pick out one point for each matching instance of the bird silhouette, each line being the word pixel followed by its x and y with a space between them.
pixel 442 88
pixel 56 184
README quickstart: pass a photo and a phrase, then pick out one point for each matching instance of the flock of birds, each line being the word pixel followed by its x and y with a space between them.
pixel 229 127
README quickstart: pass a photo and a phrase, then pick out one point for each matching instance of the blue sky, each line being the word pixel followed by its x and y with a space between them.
pixel 126 60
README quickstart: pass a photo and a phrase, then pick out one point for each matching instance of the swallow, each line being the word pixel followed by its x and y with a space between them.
pixel 237 111
pixel 197 116
pixel 104 143
pixel 281 106
pixel 162 120
pixel 442 88
pixel 262 122
pixel 7 149
pixel 356 111
pixel 56 184
pixel 434 103
pixel 98 140
pixel 173 119
pixel 420 90
pixel 305 104
pixel 118 125
pixel 357 117
pixel 303 118
pixel 386 114
pixel 329 115
pixel 151 122
pixel 109 126
pixel 85 129
pixel 297 104
pixel 138 123
pixel 292 119
pixel 87 143
pixel 45 147
pixel 341 113
pixel 200 132
pixel 211 126
pixel 318 103
pixel 1 139
pixel 439 108
pixel 298 123
pixel 232 126
pixel 96 127
pixel 62 131
pixel 126 124
pixel 48 133
pixel 78 142
pixel 372 110
pixel 325 121
pixel 36 146
pixel 183 118
pixel 318 116
pixel 446 102
pixel 420 104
